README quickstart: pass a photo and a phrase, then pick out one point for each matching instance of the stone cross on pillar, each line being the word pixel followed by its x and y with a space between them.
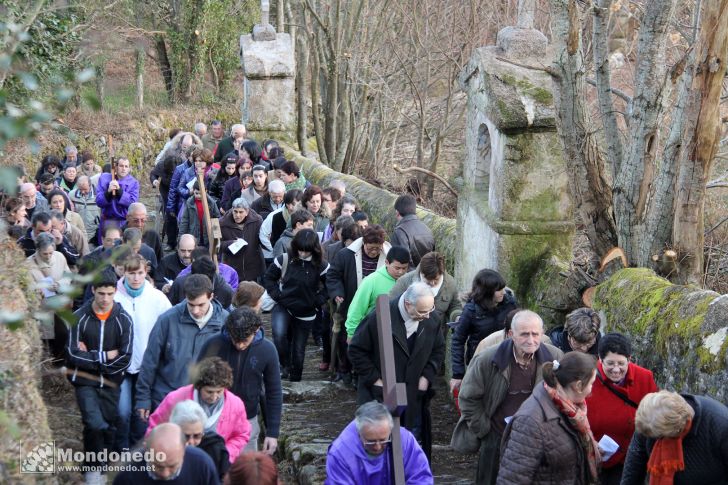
pixel 265 12
pixel 526 13
pixel 395 393
pixel 264 31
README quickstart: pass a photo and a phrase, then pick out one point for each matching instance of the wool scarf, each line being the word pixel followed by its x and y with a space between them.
pixel 667 458
pixel 576 415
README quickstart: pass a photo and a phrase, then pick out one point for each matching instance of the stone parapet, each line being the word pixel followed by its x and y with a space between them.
pixel 679 332
pixel 379 204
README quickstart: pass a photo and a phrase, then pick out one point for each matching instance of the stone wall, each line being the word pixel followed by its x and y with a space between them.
pixel 679 332
pixel 379 204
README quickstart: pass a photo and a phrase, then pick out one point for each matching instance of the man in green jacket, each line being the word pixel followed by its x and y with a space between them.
pixel 378 283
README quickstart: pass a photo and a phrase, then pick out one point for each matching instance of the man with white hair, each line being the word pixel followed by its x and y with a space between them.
pixel 419 351
pixel 200 129
pixel 71 155
pixel 497 382
pixel 238 135
pixel 360 453
pixel 32 199
pixel 271 202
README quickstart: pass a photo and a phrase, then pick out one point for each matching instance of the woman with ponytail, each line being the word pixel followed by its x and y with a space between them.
pixel 548 440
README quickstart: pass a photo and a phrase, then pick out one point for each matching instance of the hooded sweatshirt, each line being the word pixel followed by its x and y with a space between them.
pixel 348 462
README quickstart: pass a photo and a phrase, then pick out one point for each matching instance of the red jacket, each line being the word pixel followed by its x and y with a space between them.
pixel 608 414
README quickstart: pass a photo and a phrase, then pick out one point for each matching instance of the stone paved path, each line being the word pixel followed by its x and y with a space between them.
pixel 316 410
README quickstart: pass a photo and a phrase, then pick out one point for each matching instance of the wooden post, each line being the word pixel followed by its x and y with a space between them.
pixel 112 161
pixel 395 393
pixel 214 235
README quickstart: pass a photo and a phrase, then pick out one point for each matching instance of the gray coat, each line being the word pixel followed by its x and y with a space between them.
pixel 87 209
pixel 414 235
pixel 174 343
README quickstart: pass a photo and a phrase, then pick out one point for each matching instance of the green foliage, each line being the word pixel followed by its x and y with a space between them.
pixel 204 43
pixel 38 78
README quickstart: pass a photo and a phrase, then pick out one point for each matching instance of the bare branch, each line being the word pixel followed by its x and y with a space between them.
pixel 398 169
pixel 547 69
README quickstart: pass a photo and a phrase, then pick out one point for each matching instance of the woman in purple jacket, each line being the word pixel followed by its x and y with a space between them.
pixel 115 196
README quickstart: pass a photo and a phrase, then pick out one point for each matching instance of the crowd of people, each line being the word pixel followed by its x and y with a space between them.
pixel 168 350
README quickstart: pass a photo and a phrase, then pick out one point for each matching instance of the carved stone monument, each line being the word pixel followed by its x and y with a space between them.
pixel 269 69
pixel 515 210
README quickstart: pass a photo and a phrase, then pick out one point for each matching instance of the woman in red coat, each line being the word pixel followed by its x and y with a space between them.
pixel 617 391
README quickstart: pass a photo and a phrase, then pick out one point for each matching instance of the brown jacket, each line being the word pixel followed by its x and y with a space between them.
pixel 539 446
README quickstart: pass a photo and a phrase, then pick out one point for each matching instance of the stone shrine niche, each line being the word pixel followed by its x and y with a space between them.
pixel 515 211
pixel 481 172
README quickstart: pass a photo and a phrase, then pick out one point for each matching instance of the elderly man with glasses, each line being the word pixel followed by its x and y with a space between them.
pixel 360 453
pixel 419 351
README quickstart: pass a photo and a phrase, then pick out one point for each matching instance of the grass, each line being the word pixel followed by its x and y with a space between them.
pixel 123 98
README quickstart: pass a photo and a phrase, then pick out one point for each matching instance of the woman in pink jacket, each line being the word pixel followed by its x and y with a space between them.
pixel 225 411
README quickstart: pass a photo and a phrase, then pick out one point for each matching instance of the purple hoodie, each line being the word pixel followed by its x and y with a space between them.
pixel 347 462
pixel 116 208
pixel 228 273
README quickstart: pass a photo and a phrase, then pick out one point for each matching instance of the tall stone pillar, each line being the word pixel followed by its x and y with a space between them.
pixel 269 69
pixel 515 211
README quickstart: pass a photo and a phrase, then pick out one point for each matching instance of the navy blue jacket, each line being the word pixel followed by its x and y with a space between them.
pixel 174 344
pixel 474 325
pixel 253 368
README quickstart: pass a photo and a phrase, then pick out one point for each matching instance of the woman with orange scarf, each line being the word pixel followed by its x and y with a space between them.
pixel 548 440
pixel 680 439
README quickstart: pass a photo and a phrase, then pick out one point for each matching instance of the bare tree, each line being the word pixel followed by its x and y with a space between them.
pixel 633 175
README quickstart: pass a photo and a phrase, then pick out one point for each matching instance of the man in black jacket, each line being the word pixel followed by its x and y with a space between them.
pixel 41 222
pixel 254 361
pixel 410 231
pixel 272 201
pixel 206 266
pixel 231 143
pixel 99 352
pixel 419 351
pixel 171 265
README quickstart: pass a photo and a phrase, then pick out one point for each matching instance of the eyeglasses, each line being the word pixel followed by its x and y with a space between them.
pixel 196 436
pixel 419 313
pixel 370 444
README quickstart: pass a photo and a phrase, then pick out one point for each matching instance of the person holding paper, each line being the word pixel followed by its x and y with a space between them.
pixel 618 390
pixel 240 245
pixel 548 440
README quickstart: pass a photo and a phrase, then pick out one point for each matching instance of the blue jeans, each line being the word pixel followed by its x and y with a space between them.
pixel 130 427
pixel 290 336
pixel 99 413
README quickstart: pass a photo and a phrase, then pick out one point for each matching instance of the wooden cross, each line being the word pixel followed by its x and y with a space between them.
pixel 214 234
pixel 395 393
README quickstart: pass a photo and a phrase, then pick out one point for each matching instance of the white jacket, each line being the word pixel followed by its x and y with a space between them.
pixel 144 311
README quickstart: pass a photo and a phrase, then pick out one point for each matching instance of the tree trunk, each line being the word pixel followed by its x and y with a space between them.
pixel 704 107
pixel 140 55
pixel 100 69
pixel 590 190
pixel 165 67
pixel 301 54
pixel 636 172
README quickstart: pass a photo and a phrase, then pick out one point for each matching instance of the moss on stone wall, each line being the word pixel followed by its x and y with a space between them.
pixel 379 204
pixel 23 417
pixel 678 331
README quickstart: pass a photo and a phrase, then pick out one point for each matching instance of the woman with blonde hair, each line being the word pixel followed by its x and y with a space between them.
pixel 679 439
